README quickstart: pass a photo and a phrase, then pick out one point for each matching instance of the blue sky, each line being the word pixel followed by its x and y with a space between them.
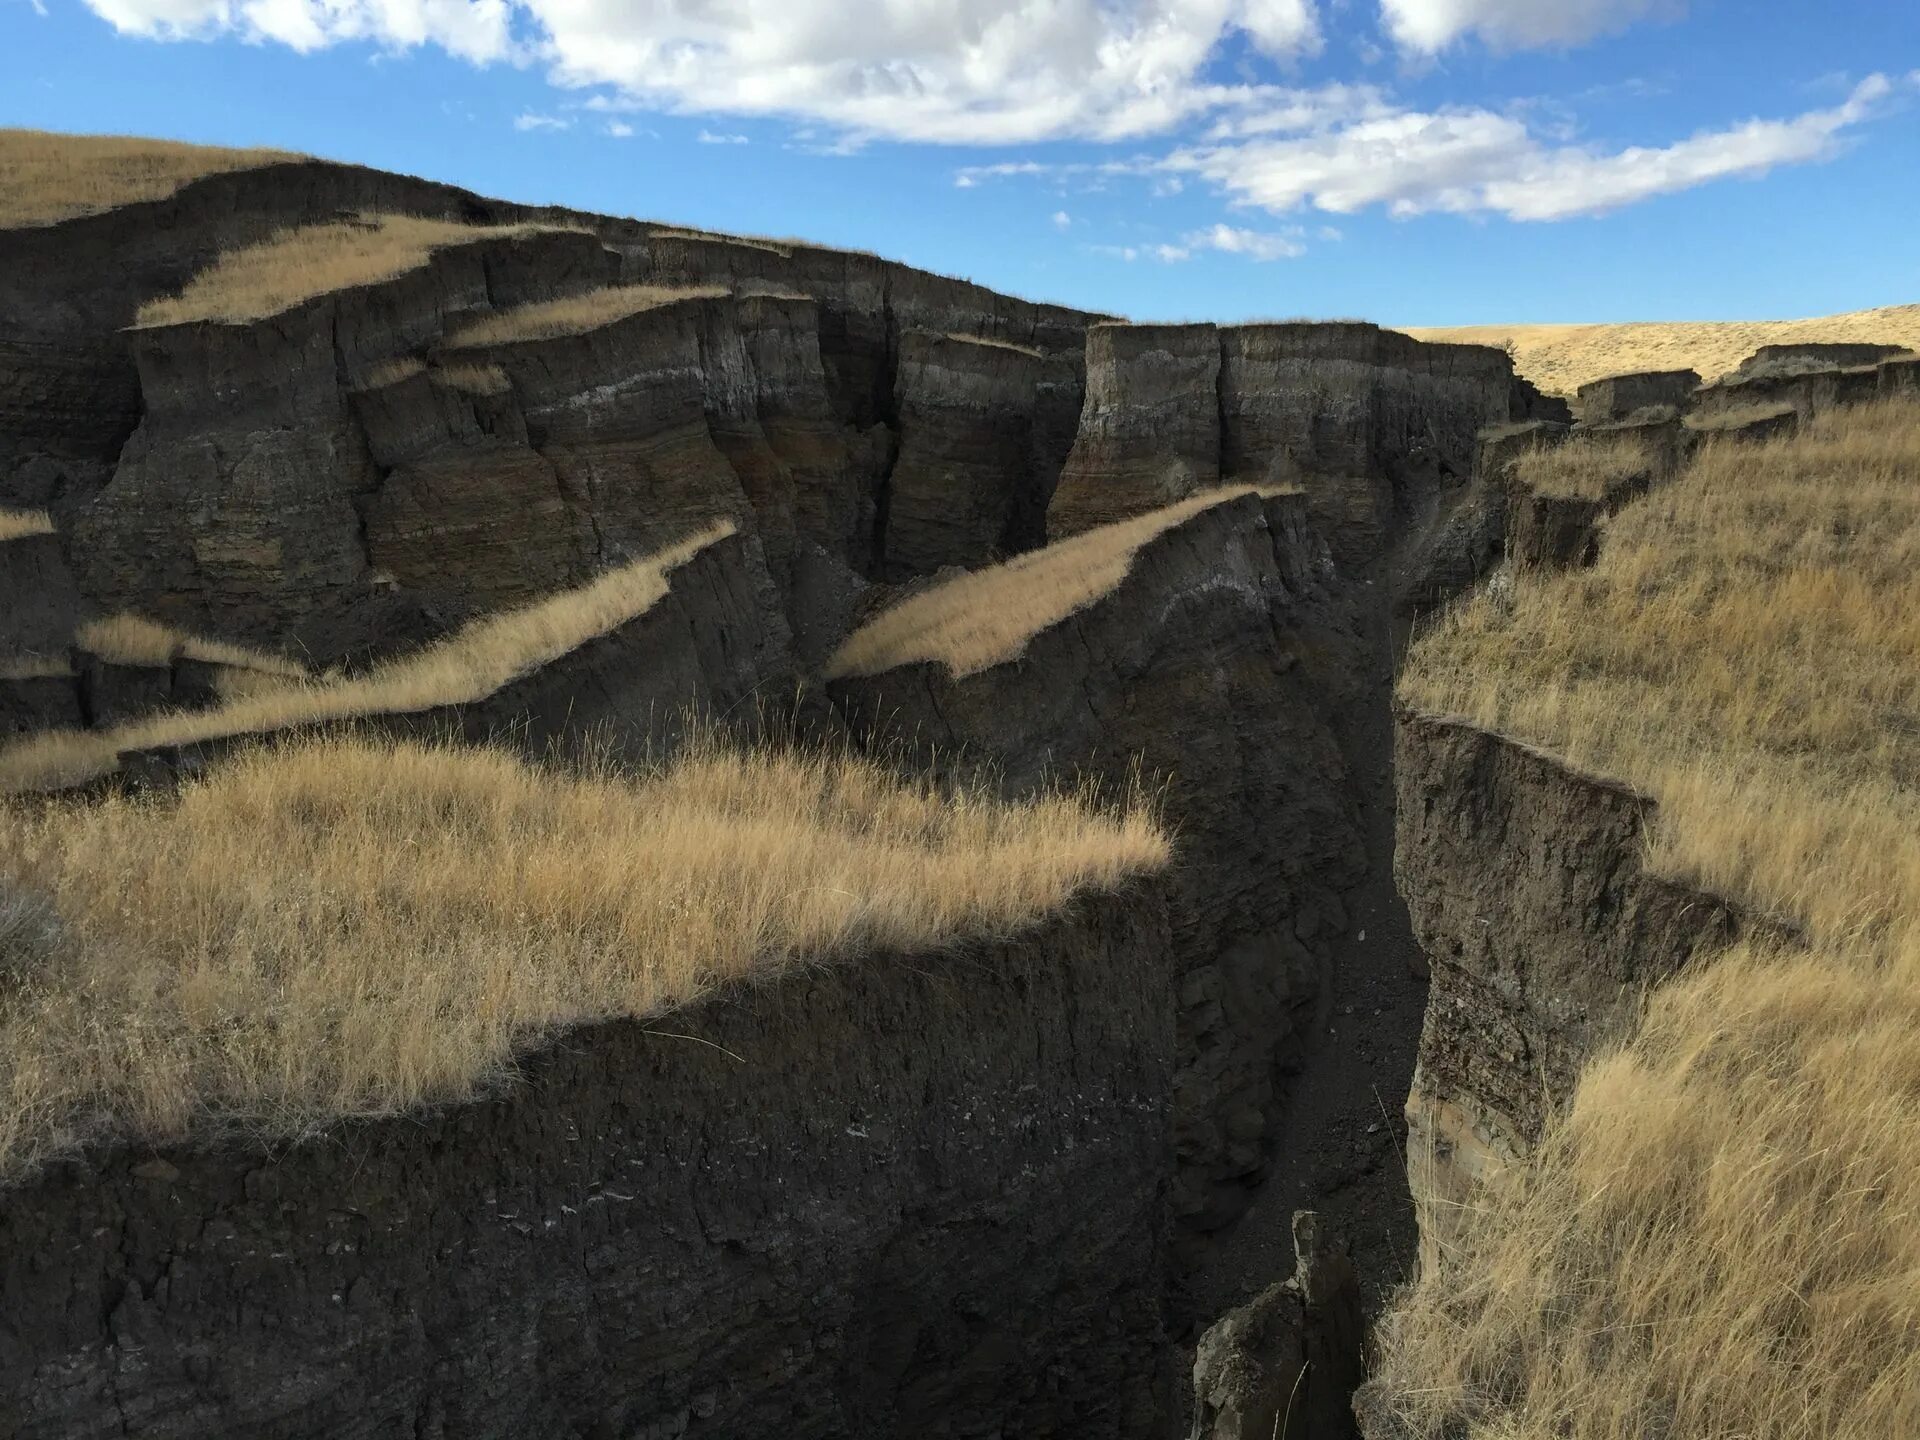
pixel 1409 161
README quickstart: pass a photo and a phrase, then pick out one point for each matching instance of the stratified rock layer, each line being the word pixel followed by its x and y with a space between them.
pixel 1203 668
pixel 763 1216
pixel 1529 892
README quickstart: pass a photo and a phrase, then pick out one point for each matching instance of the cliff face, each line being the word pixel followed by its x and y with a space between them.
pixel 1203 669
pixel 1527 887
pixel 260 478
pixel 959 1236
pixel 1360 416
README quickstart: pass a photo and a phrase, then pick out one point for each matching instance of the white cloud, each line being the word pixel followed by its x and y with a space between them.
pixel 1466 161
pixel 1230 240
pixel 709 137
pixel 1062 220
pixel 619 129
pixel 532 120
pixel 961 72
pixel 476 30
pixel 1430 26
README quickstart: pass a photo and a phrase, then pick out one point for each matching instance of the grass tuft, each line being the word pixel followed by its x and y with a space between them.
pixel 977 621
pixel 295 265
pixel 46 177
pixel 575 314
pixel 469 666
pixel 23 524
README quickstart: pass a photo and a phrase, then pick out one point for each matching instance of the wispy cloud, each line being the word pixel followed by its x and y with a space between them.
pixel 533 120
pixel 711 137
pixel 1465 161
pixel 1062 220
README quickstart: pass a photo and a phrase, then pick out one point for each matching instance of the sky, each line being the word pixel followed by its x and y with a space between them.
pixel 1414 162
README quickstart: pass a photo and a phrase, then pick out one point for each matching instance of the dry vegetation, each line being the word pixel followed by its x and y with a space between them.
pixel 20 524
pixel 47 177
pixel 575 314
pixel 996 344
pixel 1738 418
pixel 1719 1238
pixel 1585 467
pixel 470 666
pixel 129 639
pixel 1562 358
pixel 296 265
pixel 977 621
pixel 347 928
pixel 715 237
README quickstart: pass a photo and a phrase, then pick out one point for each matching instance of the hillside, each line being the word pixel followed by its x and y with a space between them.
pixel 1562 358
pixel 1743 654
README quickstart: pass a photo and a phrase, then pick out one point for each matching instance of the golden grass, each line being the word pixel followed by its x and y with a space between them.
pixel 47 177
pixel 21 524
pixel 474 379
pixel 996 344
pixel 1562 358
pixel 1586 467
pixel 396 371
pixel 129 639
pixel 752 242
pixel 977 621
pixel 574 314
pixel 1719 1238
pixel 34 667
pixel 295 265
pixel 1736 419
pixel 350 928
pixel 469 666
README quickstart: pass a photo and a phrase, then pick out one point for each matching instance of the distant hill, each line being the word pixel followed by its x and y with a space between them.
pixel 1562 358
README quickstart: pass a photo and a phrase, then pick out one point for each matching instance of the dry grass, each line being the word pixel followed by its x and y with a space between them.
pixel 20 524
pixel 349 928
pixel 34 667
pixel 47 177
pixel 575 314
pixel 474 379
pixel 715 237
pixel 1586 467
pixel 1562 358
pixel 1737 419
pixel 396 371
pixel 129 639
pixel 977 621
pixel 996 344
pixel 469 666
pixel 1719 1239
pixel 296 265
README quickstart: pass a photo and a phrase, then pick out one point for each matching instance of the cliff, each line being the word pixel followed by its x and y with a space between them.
pixel 1366 419
pixel 1201 671
pixel 761 1216
pixel 1529 892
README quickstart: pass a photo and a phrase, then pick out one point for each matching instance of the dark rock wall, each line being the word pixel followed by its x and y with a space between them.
pixel 1618 396
pixel 1367 420
pixel 1206 669
pixel 1528 889
pixel 764 1216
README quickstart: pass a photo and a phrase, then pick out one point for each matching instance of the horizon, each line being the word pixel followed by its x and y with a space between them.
pixel 1420 163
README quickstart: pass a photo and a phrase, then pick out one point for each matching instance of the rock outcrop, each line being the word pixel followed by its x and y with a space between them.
pixel 1530 894
pixel 1365 419
pixel 766 1216
pixel 1204 668
pixel 1283 1366
pixel 1809 355
pixel 712 654
pixel 1618 396
pixel 974 472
